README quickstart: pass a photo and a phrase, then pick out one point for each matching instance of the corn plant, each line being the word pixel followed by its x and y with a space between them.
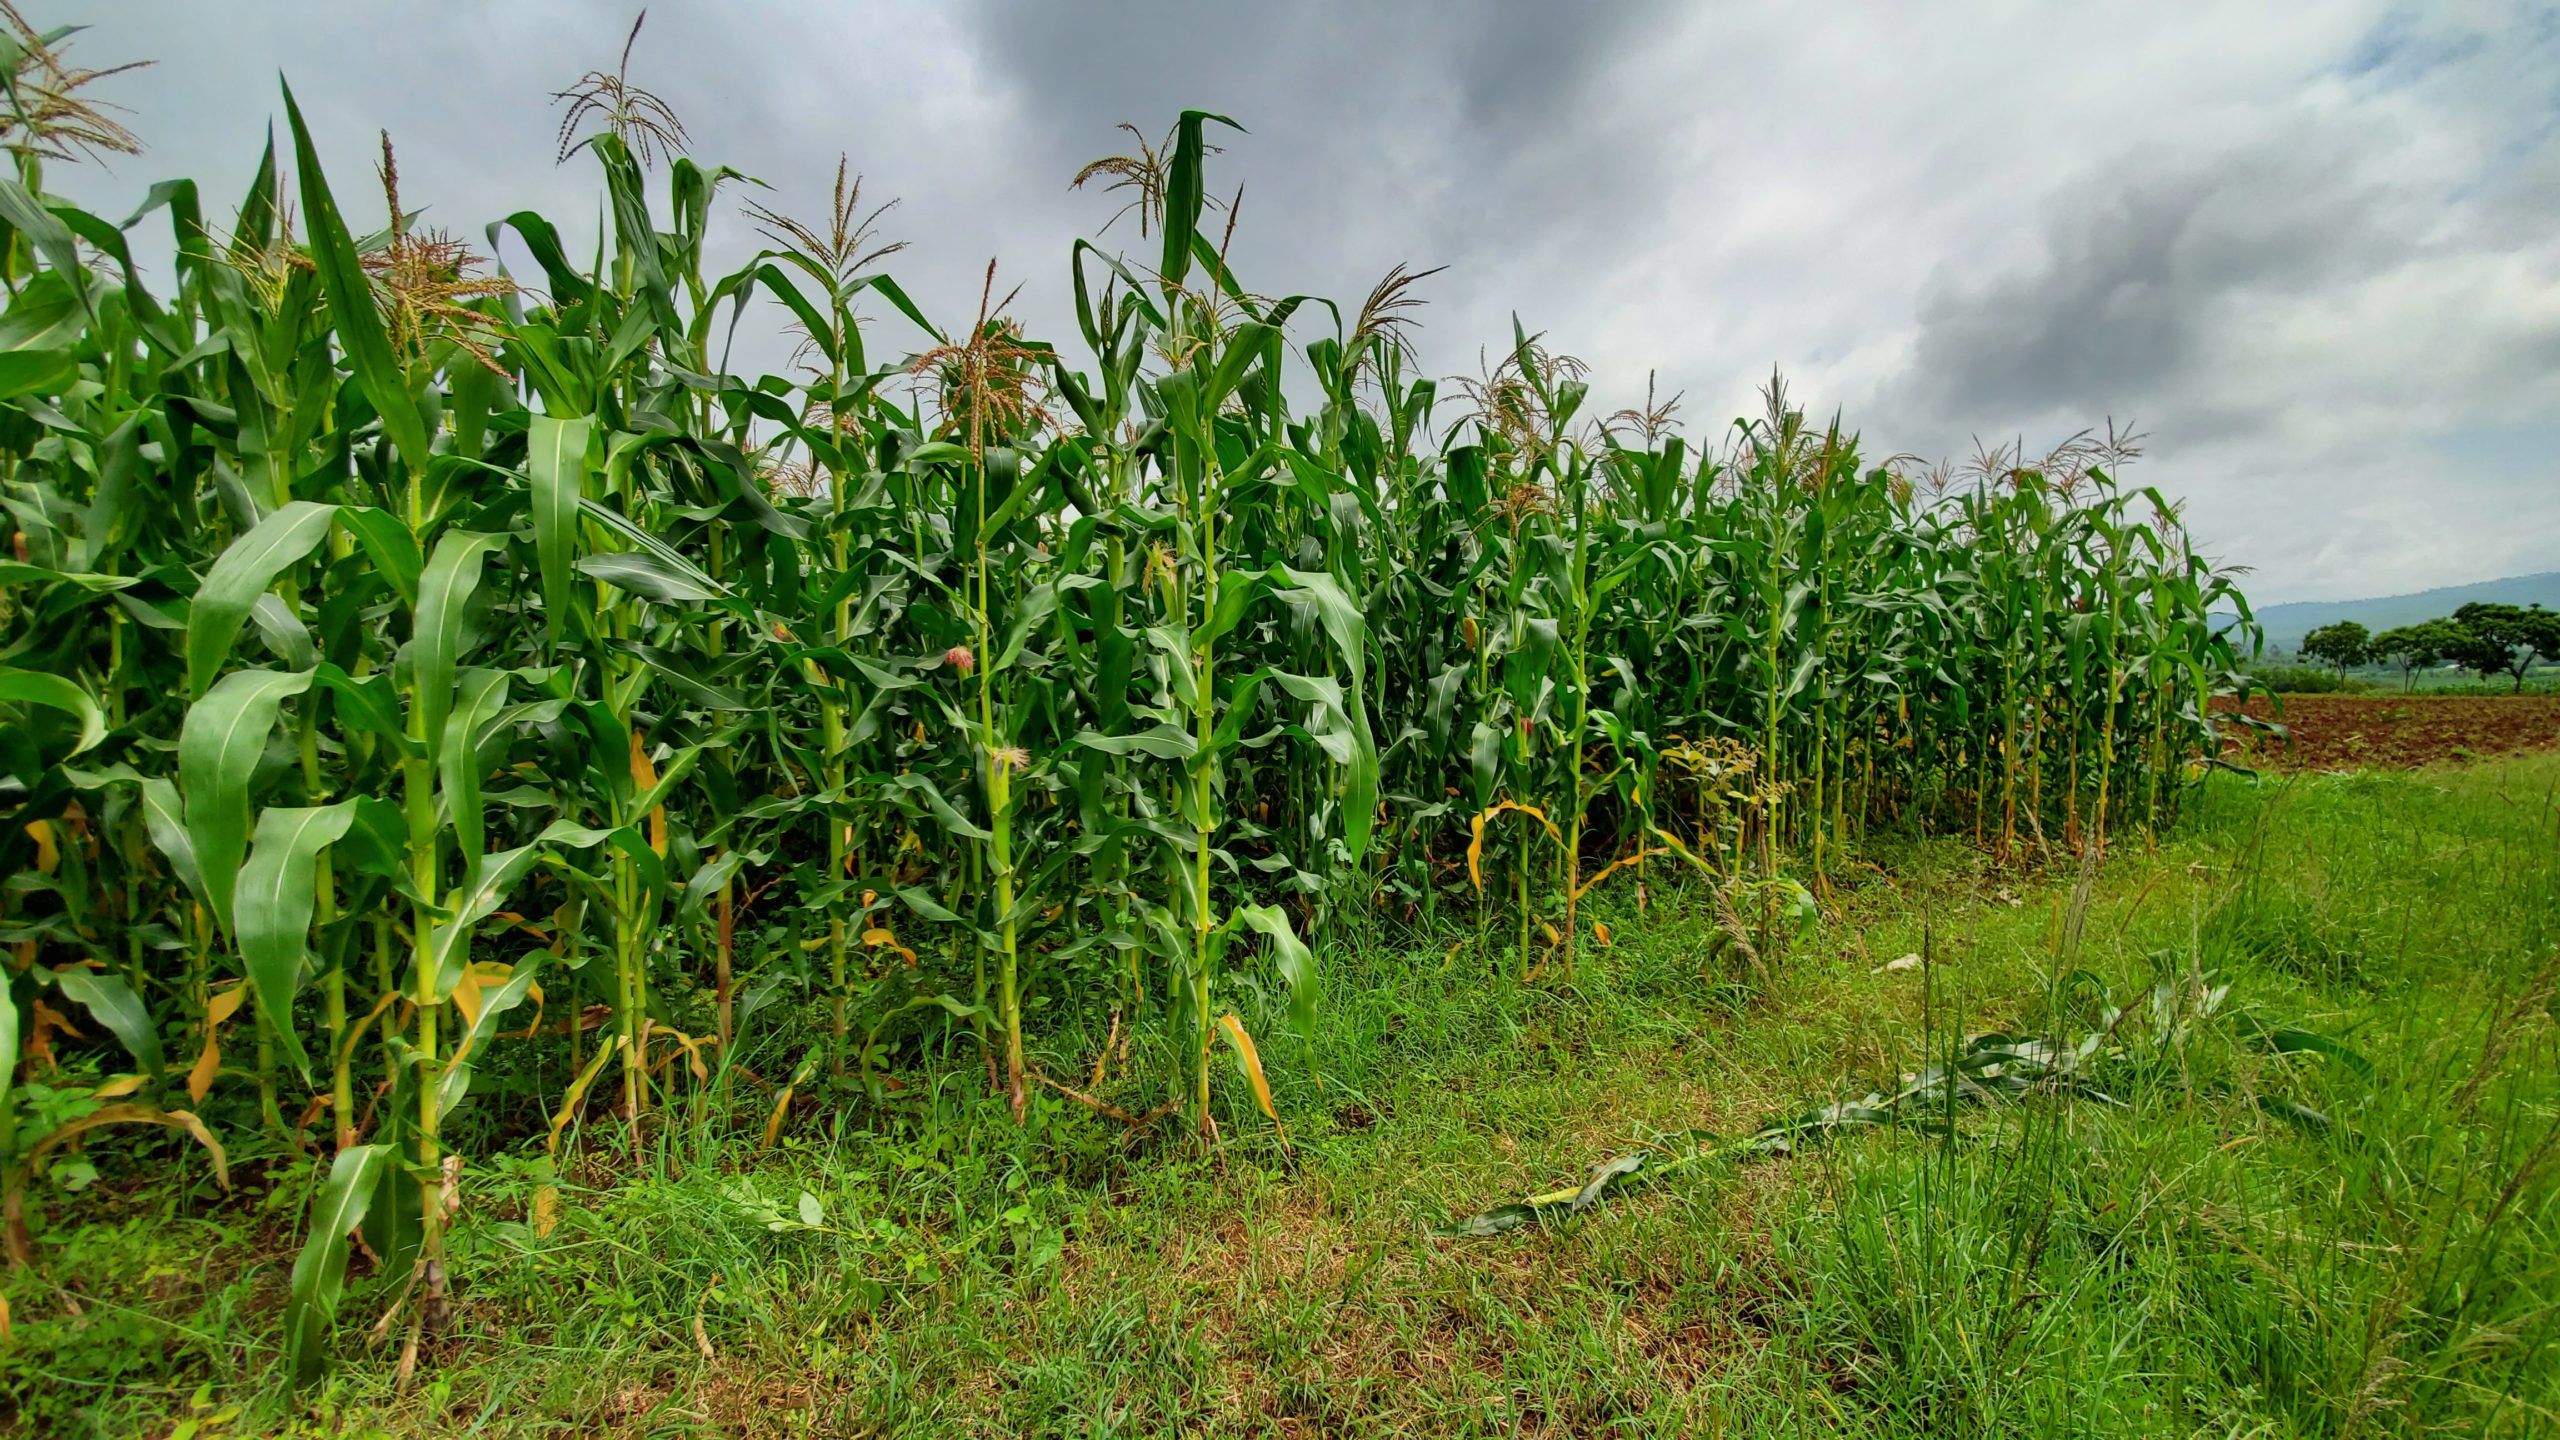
pixel 409 667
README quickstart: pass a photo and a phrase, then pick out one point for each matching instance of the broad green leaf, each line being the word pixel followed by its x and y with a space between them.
pixel 286 637
pixel 455 1082
pixel 244 570
pixel 648 576
pixel 24 372
pixel 273 907
pixel 43 229
pixel 164 813
pixel 444 599
pixel 113 1003
pixel 1289 954
pixel 556 459
pixel 1166 741
pixel 218 749
pixel 388 543
pixel 31 687
pixel 1185 192
pixel 486 885
pixel 351 303
pixel 320 1270
pixel 1343 623
pixel 14 573
pixel 481 695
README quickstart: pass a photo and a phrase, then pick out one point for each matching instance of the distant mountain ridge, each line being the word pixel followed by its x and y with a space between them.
pixel 2286 624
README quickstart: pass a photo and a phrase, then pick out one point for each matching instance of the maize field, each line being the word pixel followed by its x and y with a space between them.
pixel 451 715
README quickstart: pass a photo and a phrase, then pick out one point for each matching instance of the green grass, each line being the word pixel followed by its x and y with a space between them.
pixel 2285 679
pixel 2243 1244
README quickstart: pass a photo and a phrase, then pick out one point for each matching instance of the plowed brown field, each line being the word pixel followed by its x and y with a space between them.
pixel 2339 732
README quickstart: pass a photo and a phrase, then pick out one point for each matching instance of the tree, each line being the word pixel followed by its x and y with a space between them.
pixel 2504 639
pixel 2416 647
pixel 2344 644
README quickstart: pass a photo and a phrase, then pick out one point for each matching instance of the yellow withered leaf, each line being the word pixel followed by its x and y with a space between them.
pixel 1475 828
pixel 1234 1030
pixel 644 778
pixel 121 1085
pixel 692 1049
pixel 1600 933
pixel 880 938
pixel 186 1120
pixel 48 855
pixel 466 996
pixel 773 1122
pixel 467 991
pixel 578 1090
pixel 225 1004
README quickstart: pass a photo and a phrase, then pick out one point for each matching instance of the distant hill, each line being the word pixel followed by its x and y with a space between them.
pixel 2286 624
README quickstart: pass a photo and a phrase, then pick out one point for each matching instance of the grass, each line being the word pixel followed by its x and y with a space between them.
pixel 2244 1244
pixel 2289 679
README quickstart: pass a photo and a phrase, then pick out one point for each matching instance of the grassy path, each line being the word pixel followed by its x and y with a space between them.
pixel 2245 1244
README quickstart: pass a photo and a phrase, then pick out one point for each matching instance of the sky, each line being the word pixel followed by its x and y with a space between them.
pixel 2311 252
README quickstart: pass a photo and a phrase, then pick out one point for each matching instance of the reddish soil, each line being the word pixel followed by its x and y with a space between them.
pixel 2345 732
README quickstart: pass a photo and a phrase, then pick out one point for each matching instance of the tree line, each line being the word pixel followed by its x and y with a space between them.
pixel 2489 639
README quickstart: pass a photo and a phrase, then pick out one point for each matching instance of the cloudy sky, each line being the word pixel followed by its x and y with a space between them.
pixel 2310 250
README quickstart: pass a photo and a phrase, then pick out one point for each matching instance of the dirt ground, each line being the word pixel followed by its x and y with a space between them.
pixel 2341 732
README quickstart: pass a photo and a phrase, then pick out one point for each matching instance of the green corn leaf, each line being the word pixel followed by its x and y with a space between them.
pixel 113 1004
pixel 218 749
pixel 479 698
pixel 351 305
pixel 648 576
pixel 26 372
pixel 681 674
pixel 1297 964
pixel 1185 192
pixel 14 573
pixel 898 298
pixel 706 881
pixel 320 1270
pixel 1344 625
pixel 1166 741
pixel 286 637
pixel 640 539
pixel 556 458
pixel 43 228
pixel 164 814
pixel 362 703
pixel 29 687
pixel 388 543
pixel 274 903
pixel 444 598
pixel 940 805
pixel 485 886
pixel 813 322
pixel 244 570
pixel 455 1082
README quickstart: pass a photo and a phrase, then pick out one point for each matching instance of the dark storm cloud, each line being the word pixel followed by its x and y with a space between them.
pixel 1430 134
pixel 2137 277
